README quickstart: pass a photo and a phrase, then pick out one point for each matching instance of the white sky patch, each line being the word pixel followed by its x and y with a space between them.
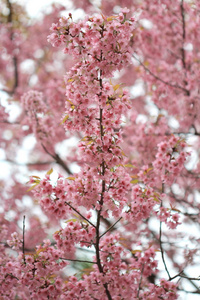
pixel 137 90
pixel 35 7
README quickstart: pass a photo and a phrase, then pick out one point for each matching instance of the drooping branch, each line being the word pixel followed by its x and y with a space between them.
pixel 162 251
pixel 161 244
pixel 58 160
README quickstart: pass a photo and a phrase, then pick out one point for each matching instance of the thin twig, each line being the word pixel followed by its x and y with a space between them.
pixel 79 260
pixel 159 79
pixel 15 74
pixel 110 227
pixel 11 275
pixel 103 188
pixel 162 251
pixel 139 287
pixel 160 241
pixel 183 54
pixel 23 241
pixel 183 34
pixel 80 214
pixel 27 164
pixel 189 292
pixel 59 161
pixel 7 122
pixel 189 278
pixel 177 275
pixel 15 64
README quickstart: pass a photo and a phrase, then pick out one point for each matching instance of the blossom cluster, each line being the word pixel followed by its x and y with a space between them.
pixel 39 117
pixel 170 159
pixel 102 191
pixel 167 215
pixel 75 232
pixel 94 107
pixel 142 204
pixel 35 272
pixel 15 242
pixel 95 38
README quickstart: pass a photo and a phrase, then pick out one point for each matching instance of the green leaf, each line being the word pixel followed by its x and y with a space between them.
pixel 71 178
pixel 115 87
pixel 33 186
pixel 156 199
pixel 148 170
pixel 65 119
pixel 111 18
pixel 71 220
pixel 134 181
pixel 135 251
pixel 50 171
pixel 41 250
pixel 129 166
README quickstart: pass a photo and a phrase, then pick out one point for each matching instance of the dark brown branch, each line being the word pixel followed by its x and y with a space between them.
pixel 177 275
pixel 189 292
pixel 59 160
pixel 15 64
pixel 79 260
pixel 23 241
pixel 10 12
pixel 80 214
pixel 189 278
pixel 183 43
pixel 139 287
pixel 160 241
pixel 103 186
pixel 162 251
pixel 16 76
pixel 11 275
pixel 183 34
pixel 110 228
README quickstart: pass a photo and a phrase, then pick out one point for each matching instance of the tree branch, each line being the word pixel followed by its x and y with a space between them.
pixel 110 227
pixel 79 260
pixel 183 34
pixel 139 287
pixel 80 214
pixel 23 241
pixel 159 79
pixel 162 251
pixel 15 64
pixel 27 164
pixel 58 159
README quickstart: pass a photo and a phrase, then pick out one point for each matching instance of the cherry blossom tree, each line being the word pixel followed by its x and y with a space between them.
pixel 108 107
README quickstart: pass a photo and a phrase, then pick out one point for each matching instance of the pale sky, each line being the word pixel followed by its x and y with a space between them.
pixel 34 7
